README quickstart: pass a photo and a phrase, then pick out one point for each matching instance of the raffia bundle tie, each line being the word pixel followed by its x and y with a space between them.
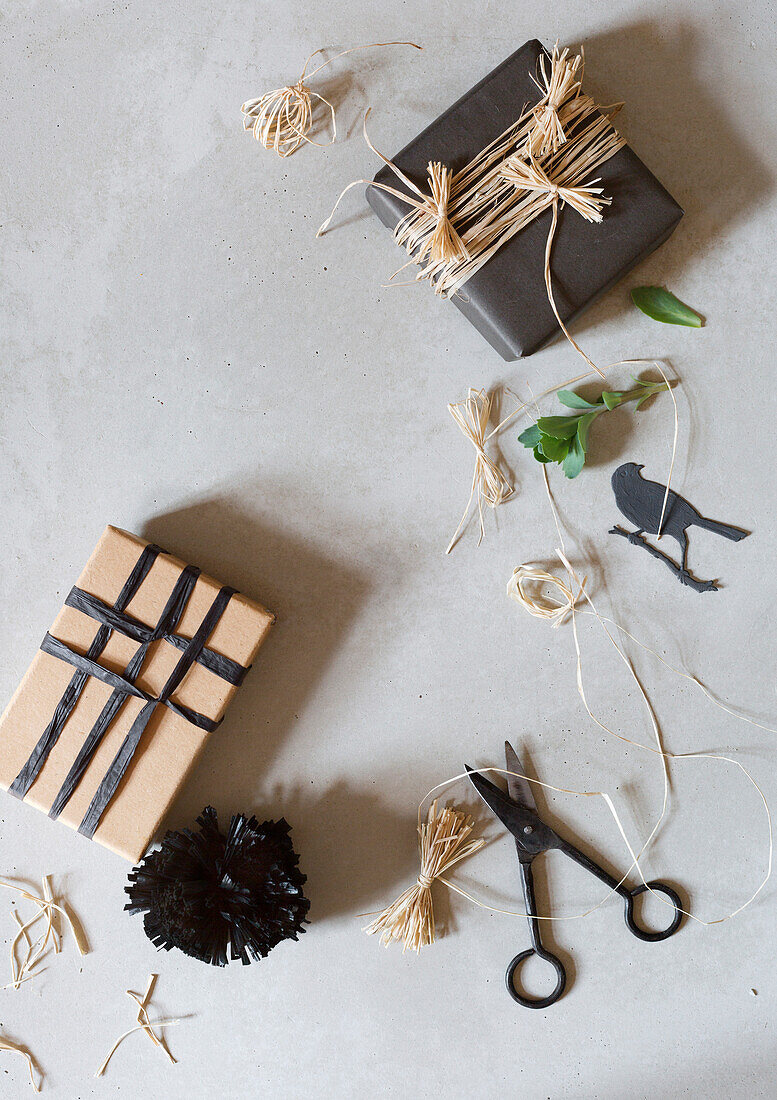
pixel 562 83
pixel 427 232
pixel 442 842
pixel 281 119
pixel 543 160
pixel 489 484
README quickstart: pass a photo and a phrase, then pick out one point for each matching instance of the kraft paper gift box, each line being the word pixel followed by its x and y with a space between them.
pixel 506 300
pixel 131 680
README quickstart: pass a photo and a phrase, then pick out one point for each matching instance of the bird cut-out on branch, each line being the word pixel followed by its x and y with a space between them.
pixel 647 505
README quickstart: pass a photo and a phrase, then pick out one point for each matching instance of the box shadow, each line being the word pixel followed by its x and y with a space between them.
pixel 688 136
pixel 355 850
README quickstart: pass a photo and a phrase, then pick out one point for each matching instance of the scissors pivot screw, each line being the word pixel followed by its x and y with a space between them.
pixel 528 829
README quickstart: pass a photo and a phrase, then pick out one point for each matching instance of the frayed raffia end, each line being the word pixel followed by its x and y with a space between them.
pixel 281 119
pixel 15 1048
pixel 442 843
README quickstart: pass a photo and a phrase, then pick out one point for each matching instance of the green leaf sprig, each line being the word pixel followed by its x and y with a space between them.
pixel 564 439
pixel 660 304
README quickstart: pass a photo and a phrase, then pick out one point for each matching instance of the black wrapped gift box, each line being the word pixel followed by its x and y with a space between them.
pixel 506 300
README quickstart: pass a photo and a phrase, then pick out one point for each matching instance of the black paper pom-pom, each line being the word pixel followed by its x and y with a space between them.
pixel 215 896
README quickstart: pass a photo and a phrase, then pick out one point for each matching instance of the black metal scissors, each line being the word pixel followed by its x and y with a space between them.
pixel 517 811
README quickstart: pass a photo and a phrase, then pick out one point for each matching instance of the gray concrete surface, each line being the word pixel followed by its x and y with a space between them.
pixel 181 356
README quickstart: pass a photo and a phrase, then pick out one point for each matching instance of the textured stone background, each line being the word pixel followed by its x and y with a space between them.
pixel 180 356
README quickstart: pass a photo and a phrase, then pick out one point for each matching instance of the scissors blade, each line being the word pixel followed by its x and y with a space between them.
pixel 513 815
pixel 518 788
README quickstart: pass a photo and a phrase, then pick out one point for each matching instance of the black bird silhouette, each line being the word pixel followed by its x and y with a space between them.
pixel 641 502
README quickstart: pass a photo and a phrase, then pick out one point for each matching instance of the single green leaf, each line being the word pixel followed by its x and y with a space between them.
pixel 582 428
pixel 660 304
pixel 540 456
pixel 560 427
pixel 555 450
pixel 574 400
pixel 530 437
pixel 575 460
pixel 612 398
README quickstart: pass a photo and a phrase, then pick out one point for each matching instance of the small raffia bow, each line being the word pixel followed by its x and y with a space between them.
pixel 489 484
pixel 586 199
pixel 443 244
pixel 558 87
pixel 443 841
pixel 426 232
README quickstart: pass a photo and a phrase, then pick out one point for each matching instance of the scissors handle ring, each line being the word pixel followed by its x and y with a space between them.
pixel 536 1002
pixel 659 888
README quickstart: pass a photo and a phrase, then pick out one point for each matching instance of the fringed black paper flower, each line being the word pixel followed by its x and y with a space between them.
pixel 215 896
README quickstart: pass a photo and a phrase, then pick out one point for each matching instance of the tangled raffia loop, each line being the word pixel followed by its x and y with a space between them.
pixel 587 200
pixel 526 585
pixel 560 85
pixel 489 484
pixel 428 233
pixel 442 843
pixel 281 120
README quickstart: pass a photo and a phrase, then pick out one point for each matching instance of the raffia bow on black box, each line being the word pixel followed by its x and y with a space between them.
pixel 487 211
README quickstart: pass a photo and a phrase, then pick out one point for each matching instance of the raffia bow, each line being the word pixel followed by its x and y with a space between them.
pixel 587 199
pixel 443 841
pixel 559 86
pixel 428 232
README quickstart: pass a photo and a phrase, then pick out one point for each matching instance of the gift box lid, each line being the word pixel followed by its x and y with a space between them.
pixel 170 743
pixel 506 300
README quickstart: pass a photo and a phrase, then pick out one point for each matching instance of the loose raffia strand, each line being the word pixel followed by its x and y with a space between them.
pixel 442 842
pixel 489 484
pixel 24 970
pixel 525 587
pixel 143 1024
pixel 281 119
pixel 16 1048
